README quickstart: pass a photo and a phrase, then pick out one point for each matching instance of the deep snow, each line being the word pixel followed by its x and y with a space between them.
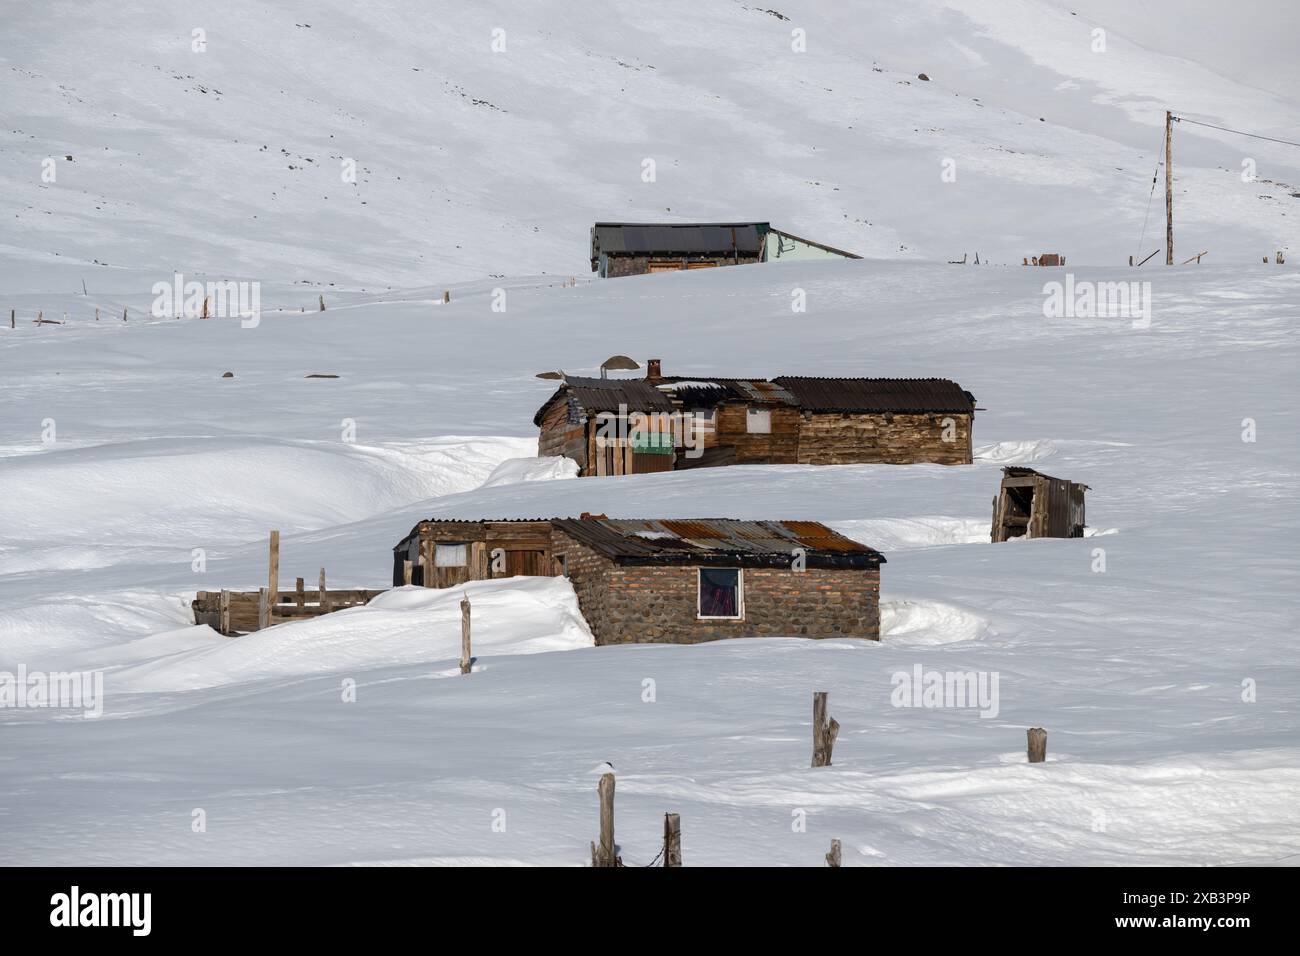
pixel 1137 671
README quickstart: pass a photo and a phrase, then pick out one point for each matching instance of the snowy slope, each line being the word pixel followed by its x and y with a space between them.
pixel 229 161
pixel 132 473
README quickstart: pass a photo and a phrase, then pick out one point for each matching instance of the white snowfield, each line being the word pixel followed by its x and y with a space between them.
pixel 1159 652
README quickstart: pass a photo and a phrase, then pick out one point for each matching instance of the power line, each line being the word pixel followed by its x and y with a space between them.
pixel 1284 142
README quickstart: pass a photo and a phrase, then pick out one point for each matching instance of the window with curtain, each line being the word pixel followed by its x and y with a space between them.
pixel 450 555
pixel 720 594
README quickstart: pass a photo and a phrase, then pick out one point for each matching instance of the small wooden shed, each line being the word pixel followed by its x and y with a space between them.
pixel 1033 505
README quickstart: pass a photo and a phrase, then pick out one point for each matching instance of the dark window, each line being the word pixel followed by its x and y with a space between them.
pixel 720 594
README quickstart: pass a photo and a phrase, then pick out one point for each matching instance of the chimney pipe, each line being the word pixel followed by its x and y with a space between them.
pixel 652 372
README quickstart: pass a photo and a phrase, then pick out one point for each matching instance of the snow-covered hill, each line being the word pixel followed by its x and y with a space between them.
pixel 231 161
pixel 134 471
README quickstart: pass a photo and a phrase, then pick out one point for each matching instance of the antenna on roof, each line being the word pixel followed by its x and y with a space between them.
pixel 618 362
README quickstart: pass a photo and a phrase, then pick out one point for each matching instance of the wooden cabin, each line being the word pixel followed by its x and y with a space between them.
pixel 442 553
pixel 617 426
pixel 637 248
pixel 675 581
pixel 1030 504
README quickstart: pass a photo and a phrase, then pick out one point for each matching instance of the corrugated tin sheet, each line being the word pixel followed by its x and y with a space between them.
pixel 715 540
pixel 667 239
pixel 730 389
pixel 878 394
pixel 594 395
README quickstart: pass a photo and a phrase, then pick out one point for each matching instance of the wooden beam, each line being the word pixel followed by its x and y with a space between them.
pixel 672 839
pixel 1169 188
pixel 1037 745
pixel 273 575
pixel 603 854
pixel 824 731
pixel 223 613
pixel 322 597
pixel 466 661
pixel 833 857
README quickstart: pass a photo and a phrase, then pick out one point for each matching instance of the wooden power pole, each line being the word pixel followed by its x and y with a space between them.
pixel 1169 188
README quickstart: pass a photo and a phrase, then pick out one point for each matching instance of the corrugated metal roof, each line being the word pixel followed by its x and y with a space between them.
pixel 690 239
pixel 718 540
pixel 878 394
pixel 595 395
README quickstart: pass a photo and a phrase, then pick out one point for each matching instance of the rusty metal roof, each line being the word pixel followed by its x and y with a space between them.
pixel 718 541
pixel 878 394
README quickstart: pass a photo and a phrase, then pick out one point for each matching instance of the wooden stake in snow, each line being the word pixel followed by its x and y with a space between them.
pixel 833 857
pixel 205 308
pixel 300 593
pixel 446 297
pixel 1037 745
pixel 322 303
pixel 96 313
pixel 824 731
pixel 12 320
pixel 124 315
pixel 603 854
pixel 263 609
pixel 672 839
pixel 466 661
pixel 273 576
pixel 223 613
pixel 323 597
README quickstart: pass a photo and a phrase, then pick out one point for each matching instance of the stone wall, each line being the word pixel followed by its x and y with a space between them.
pixel 833 438
pixel 626 604
pixel 639 265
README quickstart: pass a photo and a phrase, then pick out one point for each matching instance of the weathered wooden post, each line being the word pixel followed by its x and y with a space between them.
pixel 1037 745
pixel 205 308
pixel 446 296
pixel 12 319
pixel 263 609
pixel 466 662
pixel 824 731
pixel 299 594
pixel 124 315
pixel 833 857
pixel 603 854
pixel 322 596
pixel 672 839
pixel 322 303
pixel 223 613
pixel 273 582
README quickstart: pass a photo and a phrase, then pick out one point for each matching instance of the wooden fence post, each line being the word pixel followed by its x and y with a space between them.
pixel 124 315
pixel 824 732
pixel 273 582
pixel 322 596
pixel 604 855
pixel 300 593
pixel 833 857
pixel 223 613
pixel 263 609
pixel 446 296
pixel 672 839
pixel 12 326
pixel 466 661
pixel 322 303
pixel 1037 745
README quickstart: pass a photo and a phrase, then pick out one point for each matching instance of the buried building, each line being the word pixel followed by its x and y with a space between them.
pixel 637 248
pixel 1030 504
pixel 617 426
pixel 668 581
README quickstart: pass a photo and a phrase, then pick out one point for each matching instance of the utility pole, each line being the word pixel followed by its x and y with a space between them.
pixel 1169 188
